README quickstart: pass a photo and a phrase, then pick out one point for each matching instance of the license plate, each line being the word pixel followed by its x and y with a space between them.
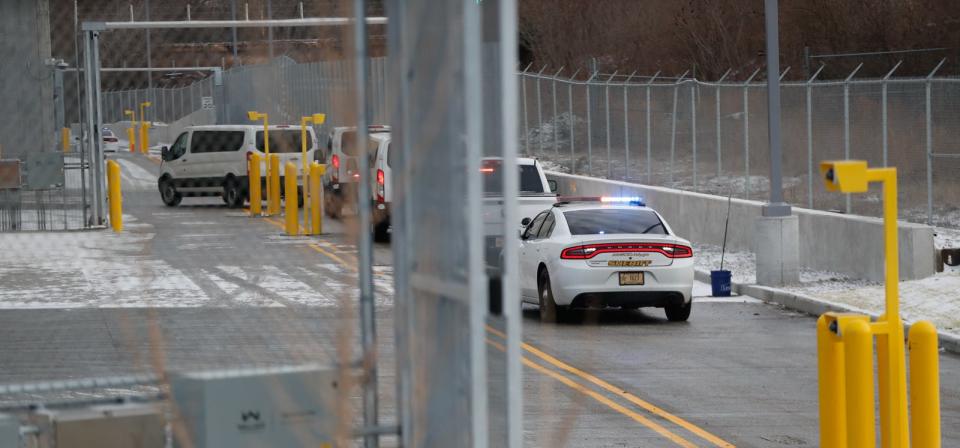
pixel 628 263
pixel 631 278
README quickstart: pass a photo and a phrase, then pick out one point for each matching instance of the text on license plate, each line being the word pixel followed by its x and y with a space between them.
pixel 631 278
pixel 628 263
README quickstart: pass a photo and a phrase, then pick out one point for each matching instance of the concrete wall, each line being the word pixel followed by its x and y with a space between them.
pixel 848 244
pixel 26 82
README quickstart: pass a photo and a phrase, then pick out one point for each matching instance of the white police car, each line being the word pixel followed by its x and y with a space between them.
pixel 605 252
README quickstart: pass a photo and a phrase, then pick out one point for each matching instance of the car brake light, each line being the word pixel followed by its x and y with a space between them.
pixel 590 250
pixel 336 161
pixel 380 186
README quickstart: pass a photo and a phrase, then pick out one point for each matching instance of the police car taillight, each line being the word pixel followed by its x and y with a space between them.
pixel 588 251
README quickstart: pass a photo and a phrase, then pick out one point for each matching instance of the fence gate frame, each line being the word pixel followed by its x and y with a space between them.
pixel 371 430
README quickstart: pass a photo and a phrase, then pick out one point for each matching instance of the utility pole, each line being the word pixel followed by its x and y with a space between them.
pixel 148 73
pixel 233 30
pixel 777 230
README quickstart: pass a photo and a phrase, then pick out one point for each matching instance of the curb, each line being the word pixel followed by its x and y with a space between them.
pixel 814 306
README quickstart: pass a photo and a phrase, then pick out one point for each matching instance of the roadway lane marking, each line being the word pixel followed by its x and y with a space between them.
pixel 601 399
pixel 621 393
pixel 603 384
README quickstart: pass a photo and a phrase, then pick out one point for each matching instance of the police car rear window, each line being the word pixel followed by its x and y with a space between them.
pixel 613 221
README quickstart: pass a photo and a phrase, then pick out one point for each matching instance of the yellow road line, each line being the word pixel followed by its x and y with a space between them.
pixel 621 393
pixel 604 400
pixel 577 386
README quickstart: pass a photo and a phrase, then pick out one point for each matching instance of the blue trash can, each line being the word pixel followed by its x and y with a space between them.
pixel 720 283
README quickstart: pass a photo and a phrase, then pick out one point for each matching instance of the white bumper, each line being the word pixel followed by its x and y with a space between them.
pixel 572 278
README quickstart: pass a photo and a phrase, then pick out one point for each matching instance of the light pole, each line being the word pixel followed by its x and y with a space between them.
pixel 777 230
pixel 257 116
pixel 304 121
pixel 131 133
pixel 144 128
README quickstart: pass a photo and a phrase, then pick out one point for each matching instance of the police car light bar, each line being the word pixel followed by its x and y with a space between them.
pixel 628 200
pixel 622 199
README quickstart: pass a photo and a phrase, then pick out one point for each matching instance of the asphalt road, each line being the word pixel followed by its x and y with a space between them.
pixel 202 286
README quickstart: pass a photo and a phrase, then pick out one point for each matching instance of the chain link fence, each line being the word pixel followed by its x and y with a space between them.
pixel 712 137
pixel 708 137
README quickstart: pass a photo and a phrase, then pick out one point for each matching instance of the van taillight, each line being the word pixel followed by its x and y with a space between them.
pixel 380 186
pixel 335 160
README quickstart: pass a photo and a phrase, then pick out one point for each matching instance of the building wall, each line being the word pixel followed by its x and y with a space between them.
pixel 26 82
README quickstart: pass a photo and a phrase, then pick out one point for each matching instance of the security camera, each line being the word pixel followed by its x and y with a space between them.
pixel 845 176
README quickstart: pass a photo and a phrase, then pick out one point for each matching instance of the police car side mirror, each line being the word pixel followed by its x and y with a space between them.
pixel 525 222
pixel 165 154
pixel 553 185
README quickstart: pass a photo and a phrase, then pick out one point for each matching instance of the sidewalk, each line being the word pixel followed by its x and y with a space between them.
pixel 935 298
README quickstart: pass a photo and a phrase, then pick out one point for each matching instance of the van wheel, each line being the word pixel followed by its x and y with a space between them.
pixel 169 194
pixel 332 206
pixel 232 194
pixel 380 233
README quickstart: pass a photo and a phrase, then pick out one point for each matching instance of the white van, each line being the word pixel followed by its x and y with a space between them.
pixel 212 160
pixel 343 167
pixel 381 184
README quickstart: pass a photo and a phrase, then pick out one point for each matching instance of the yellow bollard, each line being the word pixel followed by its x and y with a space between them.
pixel 316 198
pixel 830 371
pixel 114 195
pixel 254 181
pixel 924 386
pixel 65 139
pixel 290 203
pixel 273 202
pixel 858 362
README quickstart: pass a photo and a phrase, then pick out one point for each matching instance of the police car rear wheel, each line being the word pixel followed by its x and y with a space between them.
pixel 548 307
pixel 679 313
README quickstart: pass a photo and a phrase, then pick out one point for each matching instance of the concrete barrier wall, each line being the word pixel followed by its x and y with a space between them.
pixel 847 244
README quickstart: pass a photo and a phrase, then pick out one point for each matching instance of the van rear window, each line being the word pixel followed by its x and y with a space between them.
pixel 283 141
pixel 348 143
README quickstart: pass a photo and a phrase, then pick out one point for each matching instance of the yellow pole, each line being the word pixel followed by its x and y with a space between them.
pixel 144 128
pixel 858 362
pixel 131 133
pixel 114 196
pixel 270 172
pixel 306 171
pixel 65 139
pixel 292 218
pixel 830 372
pixel 316 198
pixel 896 385
pixel 273 185
pixel 883 378
pixel 254 179
pixel 924 386
pixel 131 139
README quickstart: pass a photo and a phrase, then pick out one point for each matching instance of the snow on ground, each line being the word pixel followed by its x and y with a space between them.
pixel 935 298
pixel 103 269
pixel 944 238
pixel 135 177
